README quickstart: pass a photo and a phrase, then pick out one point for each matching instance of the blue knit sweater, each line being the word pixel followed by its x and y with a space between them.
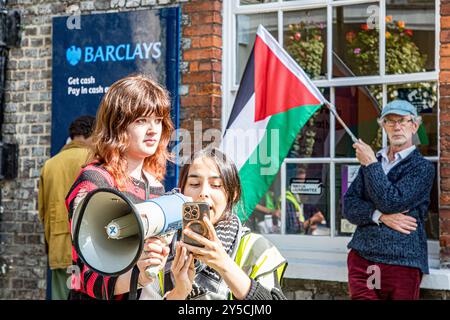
pixel 407 186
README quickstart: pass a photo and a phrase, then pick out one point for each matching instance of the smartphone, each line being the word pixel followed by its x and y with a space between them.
pixel 193 213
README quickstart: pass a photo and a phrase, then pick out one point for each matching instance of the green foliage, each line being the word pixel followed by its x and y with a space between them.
pixel 402 54
pixel 305 44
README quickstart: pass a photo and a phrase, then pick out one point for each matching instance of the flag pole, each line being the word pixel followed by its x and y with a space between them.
pixel 332 108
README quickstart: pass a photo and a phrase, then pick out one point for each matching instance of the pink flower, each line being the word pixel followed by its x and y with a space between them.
pixel 357 51
pixel 298 36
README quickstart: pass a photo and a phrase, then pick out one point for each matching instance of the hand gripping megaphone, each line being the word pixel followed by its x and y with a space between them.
pixel 108 230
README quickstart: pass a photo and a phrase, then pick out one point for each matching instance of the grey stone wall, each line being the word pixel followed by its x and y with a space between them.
pixel 297 289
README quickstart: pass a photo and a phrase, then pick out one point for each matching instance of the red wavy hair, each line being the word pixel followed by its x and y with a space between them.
pixel 126 100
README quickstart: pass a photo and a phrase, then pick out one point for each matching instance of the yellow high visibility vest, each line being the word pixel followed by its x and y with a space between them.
pixel 298 207
pixel 256 256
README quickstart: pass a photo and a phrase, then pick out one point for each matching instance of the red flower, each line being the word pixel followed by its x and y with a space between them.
pixel 409 32
pixel 365 27
pixel 298 36
pixel 350 36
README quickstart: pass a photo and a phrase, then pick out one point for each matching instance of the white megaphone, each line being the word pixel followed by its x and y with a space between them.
pixel 108 230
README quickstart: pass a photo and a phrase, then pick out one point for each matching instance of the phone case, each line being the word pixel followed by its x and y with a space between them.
pixel 193 213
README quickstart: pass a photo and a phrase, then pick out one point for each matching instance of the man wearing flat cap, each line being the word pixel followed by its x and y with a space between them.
pixel 388 201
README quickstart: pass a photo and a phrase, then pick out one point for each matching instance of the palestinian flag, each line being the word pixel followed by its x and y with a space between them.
pixel 275 100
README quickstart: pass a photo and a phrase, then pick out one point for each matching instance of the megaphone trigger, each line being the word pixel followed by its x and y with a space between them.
pixel 152 271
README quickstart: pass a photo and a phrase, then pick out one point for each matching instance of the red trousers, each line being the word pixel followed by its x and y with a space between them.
pixel 394 283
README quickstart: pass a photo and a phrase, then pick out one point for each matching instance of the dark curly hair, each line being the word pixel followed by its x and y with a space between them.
pixel 82 126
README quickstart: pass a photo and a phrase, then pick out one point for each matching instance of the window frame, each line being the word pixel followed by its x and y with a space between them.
pixel 230 10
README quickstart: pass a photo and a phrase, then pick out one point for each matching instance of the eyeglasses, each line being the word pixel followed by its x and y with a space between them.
pixel 391 123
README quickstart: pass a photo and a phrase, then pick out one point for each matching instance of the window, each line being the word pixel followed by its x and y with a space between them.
pixel 361 54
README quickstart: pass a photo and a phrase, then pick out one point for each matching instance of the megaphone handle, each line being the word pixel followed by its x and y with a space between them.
pixel 152 271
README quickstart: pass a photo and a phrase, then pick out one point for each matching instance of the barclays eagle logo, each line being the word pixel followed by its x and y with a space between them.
pixel 73 55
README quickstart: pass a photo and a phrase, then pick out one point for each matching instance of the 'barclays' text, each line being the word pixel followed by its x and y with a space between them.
pixel 112 53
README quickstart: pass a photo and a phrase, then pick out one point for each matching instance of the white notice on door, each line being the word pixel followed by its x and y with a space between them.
pixel 306 188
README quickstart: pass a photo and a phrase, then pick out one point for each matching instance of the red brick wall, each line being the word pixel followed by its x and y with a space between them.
pixel 444 80
pixel 201 80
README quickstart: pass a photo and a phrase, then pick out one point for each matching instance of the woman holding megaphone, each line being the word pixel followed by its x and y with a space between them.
pixel 233 262
pixel 132 132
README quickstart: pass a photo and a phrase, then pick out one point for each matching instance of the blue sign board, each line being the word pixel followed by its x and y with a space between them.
pixel 103 48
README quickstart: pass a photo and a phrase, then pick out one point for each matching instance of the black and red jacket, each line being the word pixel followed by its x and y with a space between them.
pixel 93 285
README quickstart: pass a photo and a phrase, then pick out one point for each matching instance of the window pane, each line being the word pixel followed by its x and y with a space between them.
pixel 410 36
pixel 305 40
pixel 307 201
pixel 265 217
pixel 359 107
pixel 313 140
pixel 355 41
pixel 247 26
pixel 246 2
pixel 423 96
pixel 346 173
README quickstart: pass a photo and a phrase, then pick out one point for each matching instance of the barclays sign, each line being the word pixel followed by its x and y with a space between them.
pixel 106 47
pixel 113 53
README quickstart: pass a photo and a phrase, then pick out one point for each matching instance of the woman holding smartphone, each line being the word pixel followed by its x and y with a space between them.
pixel 236 264
pixel 133 129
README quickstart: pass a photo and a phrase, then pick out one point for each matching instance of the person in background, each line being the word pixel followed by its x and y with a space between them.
pixel 57 176
pixel 388 202
pixel 266 208
pixel 300 217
